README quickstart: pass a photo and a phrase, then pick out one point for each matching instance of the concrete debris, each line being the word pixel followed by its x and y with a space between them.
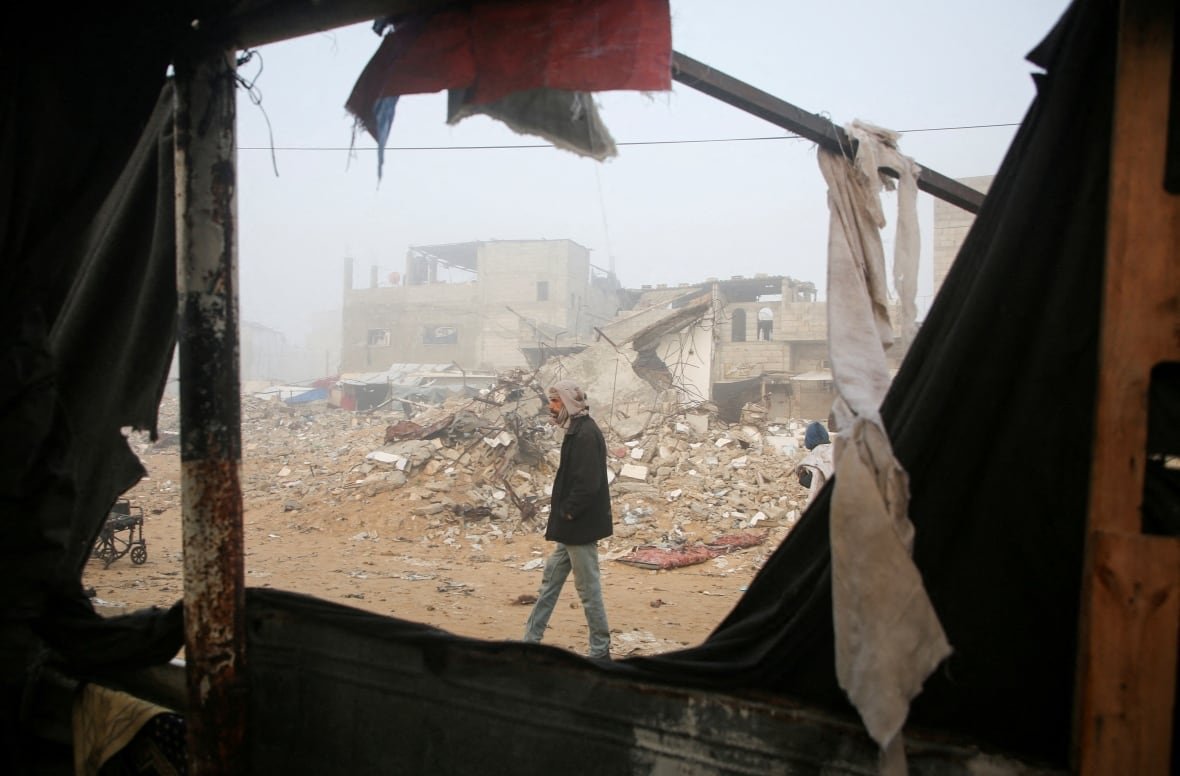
pixel 633 471
pixel 484 465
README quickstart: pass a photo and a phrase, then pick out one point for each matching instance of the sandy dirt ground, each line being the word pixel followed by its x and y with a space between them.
pixel 378 552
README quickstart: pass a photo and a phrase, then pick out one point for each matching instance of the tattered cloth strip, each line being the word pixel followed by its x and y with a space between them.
pixel 498 48
pixel 737 541
pixel 661 558
pixel 668 557
pixel 888 638
pixel 491 50
pixel 568 120
pixel 104 722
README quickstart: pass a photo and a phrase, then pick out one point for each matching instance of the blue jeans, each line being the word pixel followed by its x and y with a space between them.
pixel 583 560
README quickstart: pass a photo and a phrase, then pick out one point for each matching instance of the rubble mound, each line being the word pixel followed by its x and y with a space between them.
pixel 488 457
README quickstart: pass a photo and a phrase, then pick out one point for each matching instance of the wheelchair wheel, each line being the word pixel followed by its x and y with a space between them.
pixel 139 555
pixel 104 550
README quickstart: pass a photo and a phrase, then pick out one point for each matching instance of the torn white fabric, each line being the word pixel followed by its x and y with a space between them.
pixel 877 148
pixel 888 637
pixel 569 120
pixel 820 464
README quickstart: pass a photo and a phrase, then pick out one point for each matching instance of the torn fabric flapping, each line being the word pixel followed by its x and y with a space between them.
pixel 531 65
pixel 887 635
pixel 568 120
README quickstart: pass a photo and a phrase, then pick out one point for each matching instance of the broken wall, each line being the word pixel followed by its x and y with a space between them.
pixel 434 323
pixel 951 225
pixel 543 281
pixel 688 355
pixel 520 286
pixel 806 321
pixel 620 400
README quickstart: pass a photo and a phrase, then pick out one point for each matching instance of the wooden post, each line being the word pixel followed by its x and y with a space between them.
pixel 1130 608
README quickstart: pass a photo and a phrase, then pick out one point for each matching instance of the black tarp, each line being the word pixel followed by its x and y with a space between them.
pixel 86 330
pixel 991 411
pixel 991 415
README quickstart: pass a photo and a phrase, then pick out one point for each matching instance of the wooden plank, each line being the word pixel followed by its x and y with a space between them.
pixel 1130 665
pixel 253 23
pixel 1130 607
pixel 1141 304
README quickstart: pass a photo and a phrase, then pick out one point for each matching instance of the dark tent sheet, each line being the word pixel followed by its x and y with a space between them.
pixel 86 325
pixel 335 689
pixel 991 414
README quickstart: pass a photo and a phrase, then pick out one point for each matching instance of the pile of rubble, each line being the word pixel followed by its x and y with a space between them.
pixel 683 478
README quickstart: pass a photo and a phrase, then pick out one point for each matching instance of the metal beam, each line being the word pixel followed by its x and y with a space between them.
pixel 254 23
pixel 810 126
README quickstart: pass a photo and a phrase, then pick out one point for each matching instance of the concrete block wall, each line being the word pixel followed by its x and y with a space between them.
pixel 747 359
pixel 809 356
pixel 499 347
pixel 509 272
pixel 489 333
pixel 951 225
pixel 792 320
pixel 404 311
pixel 803 321
pixel 751 319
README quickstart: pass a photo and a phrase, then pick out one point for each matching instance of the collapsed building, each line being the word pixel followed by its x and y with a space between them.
pixel 538 301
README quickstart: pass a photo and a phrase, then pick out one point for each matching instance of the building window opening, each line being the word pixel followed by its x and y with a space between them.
pixel 542 290
pixel 738 325
pixel 378 338
pixel 765 323
pixel 433 334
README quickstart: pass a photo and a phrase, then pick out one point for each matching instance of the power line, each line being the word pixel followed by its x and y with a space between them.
pixel 627 143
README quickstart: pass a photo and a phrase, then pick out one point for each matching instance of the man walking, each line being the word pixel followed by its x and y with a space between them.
pixel 579 516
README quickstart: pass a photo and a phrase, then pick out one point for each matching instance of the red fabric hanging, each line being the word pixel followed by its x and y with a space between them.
pixel 497 48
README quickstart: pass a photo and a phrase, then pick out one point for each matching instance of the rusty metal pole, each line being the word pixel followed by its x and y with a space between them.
pixel 815 128
pixel 210 411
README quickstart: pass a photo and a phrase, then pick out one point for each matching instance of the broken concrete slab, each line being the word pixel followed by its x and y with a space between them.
pixel 633 471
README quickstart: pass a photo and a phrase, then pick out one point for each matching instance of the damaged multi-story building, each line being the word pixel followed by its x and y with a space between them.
pixel 486 305
pixel 731 342
pixel 504 304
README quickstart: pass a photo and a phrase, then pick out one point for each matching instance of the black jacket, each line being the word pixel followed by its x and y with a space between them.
pixel 580 511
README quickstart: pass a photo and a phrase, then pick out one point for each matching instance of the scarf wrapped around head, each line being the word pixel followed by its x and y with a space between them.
pixel 573 400
pixel 815 435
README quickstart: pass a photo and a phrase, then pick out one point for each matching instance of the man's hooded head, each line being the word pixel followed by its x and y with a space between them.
pixel 573 402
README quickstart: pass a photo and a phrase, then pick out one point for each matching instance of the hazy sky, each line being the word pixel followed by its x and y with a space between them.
pixel 664 213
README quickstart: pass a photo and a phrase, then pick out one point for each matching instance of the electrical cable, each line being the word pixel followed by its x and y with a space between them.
pixel 625 143
pixel 255 95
